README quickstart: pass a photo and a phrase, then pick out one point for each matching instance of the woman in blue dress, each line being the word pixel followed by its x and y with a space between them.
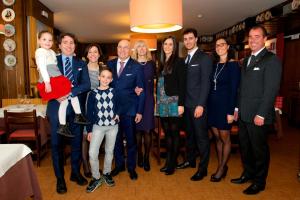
pixel 170 99
pixel 222 102
pixel 142 54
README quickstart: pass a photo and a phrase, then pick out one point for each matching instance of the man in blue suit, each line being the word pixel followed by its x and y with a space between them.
pixel 81 84
pixel 127 75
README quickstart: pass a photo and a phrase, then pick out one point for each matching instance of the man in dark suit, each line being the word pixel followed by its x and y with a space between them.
pixel 81 84
pixel 260 82
pixel 127 75
pixel 199 68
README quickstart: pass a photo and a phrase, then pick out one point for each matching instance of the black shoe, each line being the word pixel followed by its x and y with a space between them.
pixel 140 161
pixel 241 180
pixel 186 165
pixel 163 169
pixel 117 170
pixel 169 171
pixel 254 189
pixel 94 184
pixel 79 179
pixel 61 187
pixel 199 175
pixel 80 119
pixel 146 164
pixel 133 175
pixel 64 130
pixel 108 179
pixel 223 175
pixel 88 174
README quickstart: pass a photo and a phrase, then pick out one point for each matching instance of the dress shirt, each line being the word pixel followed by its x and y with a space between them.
pixel 254 54
pixel 119 65
pixel 192 52
pixel 64 60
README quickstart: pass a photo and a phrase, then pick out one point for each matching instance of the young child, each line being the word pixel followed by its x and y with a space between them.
pixel 53 85
pixel 102 111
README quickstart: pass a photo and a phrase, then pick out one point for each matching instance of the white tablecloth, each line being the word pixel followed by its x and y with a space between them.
pixel 10 154
pixel 40 109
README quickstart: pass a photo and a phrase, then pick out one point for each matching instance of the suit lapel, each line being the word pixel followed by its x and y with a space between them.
pixel 60 64
pixel 126 68
pixel 194 57
pixel 257 59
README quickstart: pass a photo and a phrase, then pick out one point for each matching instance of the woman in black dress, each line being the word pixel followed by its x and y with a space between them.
pixel 222 102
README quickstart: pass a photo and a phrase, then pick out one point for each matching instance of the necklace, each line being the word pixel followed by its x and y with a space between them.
pixel 217 73
pixel 143 63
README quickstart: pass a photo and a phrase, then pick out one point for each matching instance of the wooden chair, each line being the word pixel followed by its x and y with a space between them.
pixel 22 127
pixel 2 136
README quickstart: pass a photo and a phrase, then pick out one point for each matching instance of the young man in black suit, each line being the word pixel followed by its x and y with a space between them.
pixel 199 68
pixel 260 82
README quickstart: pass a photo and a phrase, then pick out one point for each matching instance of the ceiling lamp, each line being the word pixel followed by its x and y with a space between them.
pixel 150 40
pixel 155 16
pixel 2 29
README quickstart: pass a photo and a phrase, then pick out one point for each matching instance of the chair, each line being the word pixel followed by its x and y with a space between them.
pixel 2 136
pixel 23 127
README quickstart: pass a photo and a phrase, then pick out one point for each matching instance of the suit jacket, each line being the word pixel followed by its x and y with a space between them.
pixel 131 77
pixel 198 79
pixel 260 83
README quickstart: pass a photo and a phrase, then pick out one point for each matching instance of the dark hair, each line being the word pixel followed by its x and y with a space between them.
pixel 190 30
pixel 230 52
pixel 105 69
pixel 166 66
pixel 62 35
pixel 42 32
pixel 86 51
pixel 262 28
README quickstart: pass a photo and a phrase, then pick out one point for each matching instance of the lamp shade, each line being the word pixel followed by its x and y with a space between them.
pixel 2 29
pixel 155 16
pixel 149 39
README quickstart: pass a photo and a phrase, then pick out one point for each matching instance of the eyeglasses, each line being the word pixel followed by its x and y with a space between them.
pixel 221 45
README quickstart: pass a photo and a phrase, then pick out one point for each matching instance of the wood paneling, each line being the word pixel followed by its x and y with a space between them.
pixel 35 8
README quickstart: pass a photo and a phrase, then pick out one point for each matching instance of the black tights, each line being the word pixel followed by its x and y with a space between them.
pixel 170 126
pixel 147 136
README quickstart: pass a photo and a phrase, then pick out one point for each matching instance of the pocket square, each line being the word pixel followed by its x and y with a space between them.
pixel 128 74
pixel 256 68
pixel 79 69
pixel 194 65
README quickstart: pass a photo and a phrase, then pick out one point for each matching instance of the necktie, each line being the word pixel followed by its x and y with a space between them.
pixel 122 64
pixel 188 59
pixel 252 60
pixel 68 70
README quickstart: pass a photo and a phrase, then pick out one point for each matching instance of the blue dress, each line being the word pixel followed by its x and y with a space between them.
pixel 147 122
pixel 223 95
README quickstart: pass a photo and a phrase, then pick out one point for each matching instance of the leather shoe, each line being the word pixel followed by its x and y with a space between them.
pixel 241 180
pixel 61 187
pixel 163 169
pixel 186 165
pixel 133 175
pixel 254 189
pixel 117 170
pixel 146 164
pixel 169 171
pixel 79 179
pixel 199 175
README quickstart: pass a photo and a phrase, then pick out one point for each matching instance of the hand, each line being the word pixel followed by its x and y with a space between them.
pixel 230 119
pixel 258 121
pixel 116 118
pixel 236 115
pixel 62 98
pixel 138 90
pixel 89 136
pixel 180 110
pixel 138 118
pixel 198 111
pixel 48 87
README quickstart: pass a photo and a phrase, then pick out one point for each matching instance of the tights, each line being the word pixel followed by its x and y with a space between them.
pixel 170 127
pixel 147 136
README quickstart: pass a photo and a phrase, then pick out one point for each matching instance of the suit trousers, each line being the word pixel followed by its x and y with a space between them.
pixel 127 129
pixel 57 141
pixel 197 137
pixel 254 151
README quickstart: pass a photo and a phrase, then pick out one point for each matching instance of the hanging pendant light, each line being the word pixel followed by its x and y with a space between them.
pixel 155 16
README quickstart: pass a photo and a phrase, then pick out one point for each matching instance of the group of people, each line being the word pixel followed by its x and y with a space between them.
pixel 118 103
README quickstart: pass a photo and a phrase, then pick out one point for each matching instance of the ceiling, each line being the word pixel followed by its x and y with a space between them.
pixel 107 21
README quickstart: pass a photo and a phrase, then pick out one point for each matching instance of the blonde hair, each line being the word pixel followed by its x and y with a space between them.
pixel 137 44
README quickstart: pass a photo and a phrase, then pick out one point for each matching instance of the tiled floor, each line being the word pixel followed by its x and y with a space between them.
pixel 281 183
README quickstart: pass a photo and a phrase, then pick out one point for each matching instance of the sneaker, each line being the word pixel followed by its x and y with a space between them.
pixel 80 119
pixel 93 185
pixel 108 179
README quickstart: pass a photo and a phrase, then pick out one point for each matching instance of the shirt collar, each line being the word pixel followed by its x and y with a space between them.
pixel 64 58
pixel 193 51
pixel 125 61
pixel 255 54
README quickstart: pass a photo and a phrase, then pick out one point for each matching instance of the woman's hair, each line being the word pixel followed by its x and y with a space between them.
pixel 166 66
pixel 230 52
pixel 42 32
pixel 86 51
pixel 137 44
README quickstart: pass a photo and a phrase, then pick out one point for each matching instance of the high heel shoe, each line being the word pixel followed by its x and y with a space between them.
pixel 146 164
pixel 218 179
pixel 140 161
pixel 169 171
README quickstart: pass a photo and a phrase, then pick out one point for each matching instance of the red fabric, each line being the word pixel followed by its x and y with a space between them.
pixel 60 85
pixel 2 132
pixel 22 133
pixel 278 102
pixel 280 46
